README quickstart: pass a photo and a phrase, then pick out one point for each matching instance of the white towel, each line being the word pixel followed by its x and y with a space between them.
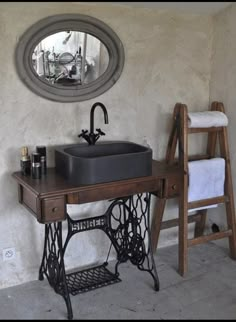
pixel 206 180
pixel 207 119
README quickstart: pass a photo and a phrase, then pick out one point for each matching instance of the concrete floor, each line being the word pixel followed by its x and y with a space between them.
pixel 208 292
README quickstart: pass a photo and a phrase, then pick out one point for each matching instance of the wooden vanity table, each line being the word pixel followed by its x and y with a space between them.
pixel 126 222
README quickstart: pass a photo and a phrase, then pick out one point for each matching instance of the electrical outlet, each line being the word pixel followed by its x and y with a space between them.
pixel 8 254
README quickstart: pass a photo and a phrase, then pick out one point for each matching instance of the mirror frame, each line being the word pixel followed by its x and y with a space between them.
pixel 78 22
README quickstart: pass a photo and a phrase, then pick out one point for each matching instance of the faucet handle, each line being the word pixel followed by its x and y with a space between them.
pixel 83 133
pixel 100 132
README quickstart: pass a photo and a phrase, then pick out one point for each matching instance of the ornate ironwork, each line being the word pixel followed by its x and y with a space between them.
pixel 126 223
pixel 128 229
pixel 90 279
pixel 52 265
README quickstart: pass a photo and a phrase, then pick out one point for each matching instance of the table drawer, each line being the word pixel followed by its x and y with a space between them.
pixel 53 209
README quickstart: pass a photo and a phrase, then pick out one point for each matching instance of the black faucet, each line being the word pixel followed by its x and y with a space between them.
pixel 92 137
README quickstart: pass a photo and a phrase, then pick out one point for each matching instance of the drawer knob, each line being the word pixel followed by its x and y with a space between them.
pixel 174 187
pixel 54 209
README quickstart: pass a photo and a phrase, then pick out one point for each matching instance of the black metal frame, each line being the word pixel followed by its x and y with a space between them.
pixel 127 224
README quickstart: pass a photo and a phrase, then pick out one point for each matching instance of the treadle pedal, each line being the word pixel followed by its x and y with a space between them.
pixel 90 279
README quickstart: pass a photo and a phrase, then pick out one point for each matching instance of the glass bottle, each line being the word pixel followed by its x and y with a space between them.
pixel 25 162
pixel 36 166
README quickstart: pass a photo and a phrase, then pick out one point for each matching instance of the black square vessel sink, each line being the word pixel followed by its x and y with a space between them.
pixel 83 164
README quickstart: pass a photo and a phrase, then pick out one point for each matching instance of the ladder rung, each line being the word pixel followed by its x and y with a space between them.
pixel 197 157
pixel 207 202
pixel 204 239
pixel 204 129
pixel 175 222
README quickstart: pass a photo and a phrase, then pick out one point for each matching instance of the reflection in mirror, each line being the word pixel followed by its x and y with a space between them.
pixel 70 58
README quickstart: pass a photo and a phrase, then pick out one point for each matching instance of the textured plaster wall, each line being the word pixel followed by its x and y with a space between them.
pixel 167 60
pixel 222 84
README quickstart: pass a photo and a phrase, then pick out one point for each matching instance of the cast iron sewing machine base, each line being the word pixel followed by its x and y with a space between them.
pixel 126 223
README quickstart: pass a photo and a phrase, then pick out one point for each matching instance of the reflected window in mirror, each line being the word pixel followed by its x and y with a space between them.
pixel 70 57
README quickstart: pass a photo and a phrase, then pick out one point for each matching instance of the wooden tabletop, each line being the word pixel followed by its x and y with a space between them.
pixel 52 192
pixel 54 184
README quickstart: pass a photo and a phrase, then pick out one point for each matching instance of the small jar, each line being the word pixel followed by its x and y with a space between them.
pixel 43 158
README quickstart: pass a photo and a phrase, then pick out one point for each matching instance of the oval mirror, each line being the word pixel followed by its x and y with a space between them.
pixel 69 58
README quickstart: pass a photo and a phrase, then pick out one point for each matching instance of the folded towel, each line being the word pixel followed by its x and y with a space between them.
pixel 206 180
pixel 207 119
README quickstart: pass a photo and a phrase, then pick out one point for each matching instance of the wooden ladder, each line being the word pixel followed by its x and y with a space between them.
pixel 179 135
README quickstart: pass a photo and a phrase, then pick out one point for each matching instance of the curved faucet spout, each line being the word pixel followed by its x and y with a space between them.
pixel 91 137
pixel 92 115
